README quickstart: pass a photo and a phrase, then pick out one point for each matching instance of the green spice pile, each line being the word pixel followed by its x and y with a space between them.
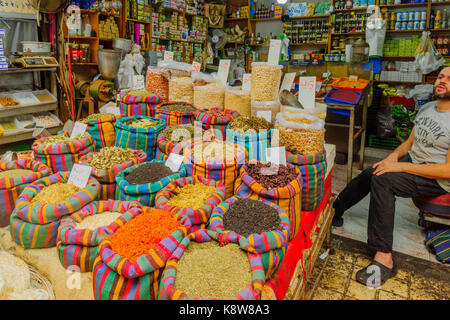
pixel 15 173
pixel 56 139
pixel 178 107
pixel 142 123
pixel 208 270
pixel 192 196
pixel 251 123
pixel 95 116
pixel 248 216
pixel 148 173
pixel 179 133
pixel 110 156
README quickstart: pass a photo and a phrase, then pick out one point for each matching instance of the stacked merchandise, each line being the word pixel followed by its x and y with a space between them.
pixel 108 29
pixel 403 71
pixel 3 63
pixel 138 10
pixel 401 47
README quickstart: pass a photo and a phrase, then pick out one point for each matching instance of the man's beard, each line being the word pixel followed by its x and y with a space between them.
pixel 442 96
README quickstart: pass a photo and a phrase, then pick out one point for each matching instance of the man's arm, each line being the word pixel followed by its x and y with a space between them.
pixel 432 171
pixel 399 152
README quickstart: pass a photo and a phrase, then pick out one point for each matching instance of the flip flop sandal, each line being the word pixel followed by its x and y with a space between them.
pixel 375 274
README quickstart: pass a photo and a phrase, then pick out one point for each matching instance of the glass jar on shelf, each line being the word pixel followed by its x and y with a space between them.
pixel 85 53
pixel 74 52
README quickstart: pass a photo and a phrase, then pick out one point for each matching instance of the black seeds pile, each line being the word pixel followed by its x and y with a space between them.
pixel 148 173
pixel 247 216
pixel 270 178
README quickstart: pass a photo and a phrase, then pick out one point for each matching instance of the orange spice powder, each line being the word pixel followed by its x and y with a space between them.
pixel 141 234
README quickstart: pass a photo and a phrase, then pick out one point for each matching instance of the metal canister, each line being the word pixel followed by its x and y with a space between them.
pixel 422 24
pixel 398 25
pixel 404 25
pixel 416 24
pixel 423 16
pixel 410 25
pixel 411 16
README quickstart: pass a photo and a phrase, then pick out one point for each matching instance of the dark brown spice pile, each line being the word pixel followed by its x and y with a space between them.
pixel 148 173
pixel 247 216
pixel 277 177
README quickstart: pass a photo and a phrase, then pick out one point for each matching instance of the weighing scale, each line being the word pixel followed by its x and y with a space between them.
pixel 36 60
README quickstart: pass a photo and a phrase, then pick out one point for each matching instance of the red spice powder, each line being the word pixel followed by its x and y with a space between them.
pixel 142 233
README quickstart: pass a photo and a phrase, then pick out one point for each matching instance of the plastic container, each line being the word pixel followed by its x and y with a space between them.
pixel 238 100
pixel 157 83
pixel 39 123
pixel 181 90
pixel 25 98
pixel 209 96
pixel 346 84
pixel 266 80
pixel 173 69
pixel 320 111
pixel 40 95
pixel 353 96
pixel 35 46
pixel 272 106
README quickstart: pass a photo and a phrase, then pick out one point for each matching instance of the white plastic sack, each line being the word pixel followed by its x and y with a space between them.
pixel 317 123
pixel 375 34
pixel 421 94
pixel 427 58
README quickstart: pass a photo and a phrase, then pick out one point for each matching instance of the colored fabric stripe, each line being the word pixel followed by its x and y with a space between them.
pixel 439 206
pixel 218 124
pixel 172 118
pixel 11 188
pixel 287 197
pixel 102 131
pixel 31 235
pixel 131 105
pixel 197 216
pixel 439 243
pixel 116 278
pixel 144 193
pixel 45 213
pixel 61 156
pixel 138 138
pixel 254 143
pixel 168 291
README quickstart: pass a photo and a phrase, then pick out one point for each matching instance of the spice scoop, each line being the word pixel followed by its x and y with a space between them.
pixel 289 99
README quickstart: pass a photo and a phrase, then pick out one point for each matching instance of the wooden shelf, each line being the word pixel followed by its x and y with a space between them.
pixel 349 34
pixel 308 44
pixel 397 58
pixel 265 20
pixel 22 70
pixel 79 37
pixel 403 31
pixel 12 111
pixel 395 82
pixel 403 5
pixel 190 41
pixel 235 19
pixel 105 39
pixel 319 16
pixel 25 134
pixel 353 9
pixel 440 3
pixel 440 30
pixel 138 21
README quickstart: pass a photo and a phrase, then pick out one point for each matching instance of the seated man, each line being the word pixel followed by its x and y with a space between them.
pixel 419 167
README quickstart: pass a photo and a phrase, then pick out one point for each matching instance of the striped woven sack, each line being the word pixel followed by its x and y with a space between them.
pixel 45 213
pixel 116 278
pixel 264 243
pixel 144 193
pixel 33 235
pixel 132 105
pixel 197 216
pixel 224 171
pixel 78 247
pixel 11 188
pixel 216 120
pixel 103 131
pixel 287 197
pixel 137 138
pixel 173 118
pixel 313 169
pixel 168 291
pixel 107 177
pixel 255 143
pixel 61 156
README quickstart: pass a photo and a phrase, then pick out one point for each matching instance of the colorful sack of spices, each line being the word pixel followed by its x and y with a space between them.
pixel 216 160
pixel 14 177
pixel 215 121
pixel 63 154
pixel 175 139
pixel 101 128
pixel 197 207
pixel 255 143
pixel 174 113
pixel 313 169
pixel 210 265
pixel 130 262
pixel 138 103
pixel 144 186
pixel 259 225
pixel 287 196
pixel 129 135
pixel 105 167
pixel 80 233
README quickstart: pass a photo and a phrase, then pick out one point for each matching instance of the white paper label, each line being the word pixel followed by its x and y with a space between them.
pixel 138 82
pixel 265 114
pixel 318 86
pixel 174 161
pixel 79 175
pixel 288 80
pixel 168 55
pixel 78 128
pixel 224 68
pixel 276 155
pixel 196 66
pixel 247 81
pixel 274 51
pixel 307 92
pixel 353 78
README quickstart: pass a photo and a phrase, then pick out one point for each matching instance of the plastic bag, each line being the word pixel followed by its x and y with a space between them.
pixel 427 58
pixel 172 69
pixel 385 128
pixel 422 94
pixel 375 33
pixel 131 65
pixel 201 78
pixel 290 120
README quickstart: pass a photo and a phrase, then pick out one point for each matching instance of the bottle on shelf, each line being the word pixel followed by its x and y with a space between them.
pixel 432 17
pixel 437 20
pixel 444 19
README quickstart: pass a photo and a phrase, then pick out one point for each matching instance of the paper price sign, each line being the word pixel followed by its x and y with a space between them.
pixel 265 114
pixel 276 155
pixel 274 51
pixel 174 161
pixel 224 68
pixel 78 128
pixel 79 175
pixel 168 55
pixel 307 92
pixel 246 81
pixel 288 80
pixel 196 66
pixel 138 82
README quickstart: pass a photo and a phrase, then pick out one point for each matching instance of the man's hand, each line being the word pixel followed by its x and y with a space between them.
pixel 390 164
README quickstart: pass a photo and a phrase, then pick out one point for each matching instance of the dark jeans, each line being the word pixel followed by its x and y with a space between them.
pixel 383 190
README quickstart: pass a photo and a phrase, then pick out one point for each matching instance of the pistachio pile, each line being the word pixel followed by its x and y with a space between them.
pixel 110 156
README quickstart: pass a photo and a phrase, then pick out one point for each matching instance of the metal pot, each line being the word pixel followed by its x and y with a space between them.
pixel 122 44
pixel 109 63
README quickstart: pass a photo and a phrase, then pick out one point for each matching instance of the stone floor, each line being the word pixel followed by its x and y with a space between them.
pixel 420 276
